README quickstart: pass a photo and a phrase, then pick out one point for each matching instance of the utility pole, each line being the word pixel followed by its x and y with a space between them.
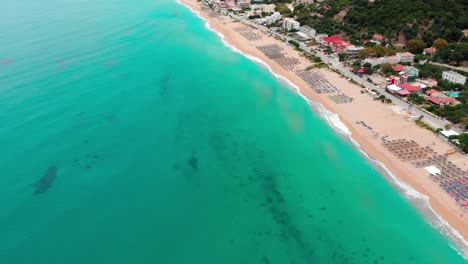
pixel 410 107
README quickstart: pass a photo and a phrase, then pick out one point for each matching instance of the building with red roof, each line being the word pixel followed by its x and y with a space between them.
pixel 378 37
pixel 431 50
pixel 406 57
pixel 399 68
pixel 333 39
pixel 336 43
pixel 403 92
pixel 434 100
pixel 431 91
pixel 448 100
pixel 439 98
pixel 410 88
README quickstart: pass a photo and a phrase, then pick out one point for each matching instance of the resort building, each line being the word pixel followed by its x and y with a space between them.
pixel 244 3
pixel 431 91
pixel 395 89
pixel 448 133
pixel 291 24
pixel 308 30
pixel 405 57
pixel 376 38
pixel 453 77
pixel 431 50
pixel 399 68
pixel 428 82
pixel 411 70
pixel 268 20
pixel 406 78
pixel 392 59
pixel 353 51
pixel 336 43
pixel 410 88
pixel 440 98
pixel 373 61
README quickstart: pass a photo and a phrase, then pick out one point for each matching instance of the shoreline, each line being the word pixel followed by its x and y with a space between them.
pixel 439 209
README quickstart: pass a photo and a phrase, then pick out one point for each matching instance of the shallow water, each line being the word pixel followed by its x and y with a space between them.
pixel 167 147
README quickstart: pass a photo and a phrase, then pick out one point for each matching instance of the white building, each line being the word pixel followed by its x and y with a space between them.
pixel 244 3
pixel 308 30
pixel 405 57
pixel 353 51
pixel 453 77
pixel 270 19
pixel 447 133
pixel 289 24
pixel 305 2
pixel 264 8
pixel 373 61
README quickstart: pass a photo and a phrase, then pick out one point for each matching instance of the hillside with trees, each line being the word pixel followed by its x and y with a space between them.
pixel 425 19
pixel 414 19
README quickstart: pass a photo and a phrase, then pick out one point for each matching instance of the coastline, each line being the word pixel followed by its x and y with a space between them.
pixel 439 208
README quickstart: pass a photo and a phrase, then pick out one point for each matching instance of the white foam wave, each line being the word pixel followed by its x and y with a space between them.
pixel 335 122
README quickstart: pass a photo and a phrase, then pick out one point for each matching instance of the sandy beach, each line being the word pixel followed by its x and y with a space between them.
pixel 381 120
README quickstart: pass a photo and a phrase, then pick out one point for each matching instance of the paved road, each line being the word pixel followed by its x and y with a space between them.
pixel 465 69
pixel 428 117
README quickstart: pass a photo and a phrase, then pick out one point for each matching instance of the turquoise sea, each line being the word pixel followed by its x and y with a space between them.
pixel 130 134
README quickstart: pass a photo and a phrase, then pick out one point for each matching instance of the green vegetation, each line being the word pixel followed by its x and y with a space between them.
pixel 416 99
pixel 440 43
pixel 453 114
pixel 416 45
pixel 317 59
pixel 453 54
pixel 422 124
pixel 342 56
pixel 463 140
pixel 284 10
pixel 376 51
pixel 360 19
pixel 429 71
pixel 387 68
pixel 294 43
pixel 431 19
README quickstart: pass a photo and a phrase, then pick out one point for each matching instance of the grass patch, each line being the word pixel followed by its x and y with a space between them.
pixel 425 125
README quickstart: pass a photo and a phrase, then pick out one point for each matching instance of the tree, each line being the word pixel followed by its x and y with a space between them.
pixel 366 53
pixel 342 56
pixel 416 45
pixel 368 70
pixel 440 43
pixel 379 50
pixel 463 139
pixel 284 10
pixel 387 68
pixel 464 121
pixel 294 43
pixel 455 52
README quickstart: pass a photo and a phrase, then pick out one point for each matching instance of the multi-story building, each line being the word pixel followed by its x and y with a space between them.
pixel 305 2
pixel 412 71
pixel 290 24
pixel 453 77
pixel 268 20
pixel 406 57
pixel 308 30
